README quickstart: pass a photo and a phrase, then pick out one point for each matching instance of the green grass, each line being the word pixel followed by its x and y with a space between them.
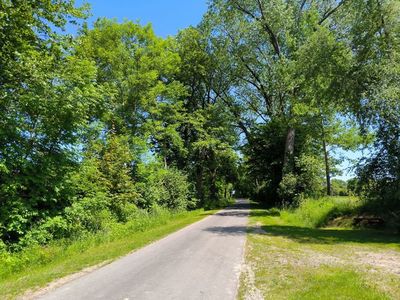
pixel 317 212
pixel 287 257
pixel 35 267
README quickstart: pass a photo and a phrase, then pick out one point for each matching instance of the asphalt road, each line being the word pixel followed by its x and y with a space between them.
pixel 201 261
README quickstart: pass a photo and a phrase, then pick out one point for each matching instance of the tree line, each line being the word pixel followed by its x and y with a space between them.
pixel 256 98
pixel 303 80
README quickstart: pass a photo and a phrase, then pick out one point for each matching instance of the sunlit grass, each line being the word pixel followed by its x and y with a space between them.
pixel 287 257
pixel 317 212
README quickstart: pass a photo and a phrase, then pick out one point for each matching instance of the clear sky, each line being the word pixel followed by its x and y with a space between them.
pixel 167 16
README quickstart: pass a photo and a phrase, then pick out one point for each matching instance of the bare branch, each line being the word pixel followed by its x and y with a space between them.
pixel 272 36
pixel 235 112
pixel 330 11
pixel 264 23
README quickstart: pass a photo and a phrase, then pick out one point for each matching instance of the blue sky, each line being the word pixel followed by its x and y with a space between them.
pixel 167 16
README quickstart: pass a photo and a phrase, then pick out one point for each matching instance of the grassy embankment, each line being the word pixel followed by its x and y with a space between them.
pixel 35 267
pixel 290 256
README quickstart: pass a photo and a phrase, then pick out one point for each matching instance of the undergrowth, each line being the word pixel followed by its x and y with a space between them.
pixel 318 212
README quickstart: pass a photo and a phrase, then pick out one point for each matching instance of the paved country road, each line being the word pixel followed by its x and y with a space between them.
pixel 201 261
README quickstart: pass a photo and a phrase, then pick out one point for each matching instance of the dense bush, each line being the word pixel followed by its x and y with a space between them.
pixel 165 187
pixel 264 166
pixel 34 256
pixel 104 194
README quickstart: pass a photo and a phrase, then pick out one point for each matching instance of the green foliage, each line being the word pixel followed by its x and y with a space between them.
pixel 48 230
pixel 379 173
pixel 339 188
pixel 82 119
pixel 264 164
pixel 207 130
pixel 100 129
pixel 287 189
pixel 46 95
pixel 264 160
pixel 315 213
pixel 165 187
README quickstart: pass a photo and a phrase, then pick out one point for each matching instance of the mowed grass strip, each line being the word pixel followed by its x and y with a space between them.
pixel 45 264
pixel 285 260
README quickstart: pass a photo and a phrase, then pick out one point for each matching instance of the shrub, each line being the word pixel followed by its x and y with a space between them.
pixel 310 176
pixel 51 228
pixel 88 215
pixel 165 187
pixel 287 189
pixel 3 247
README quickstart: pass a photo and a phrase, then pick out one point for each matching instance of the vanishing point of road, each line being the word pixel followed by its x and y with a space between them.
pixel 201 261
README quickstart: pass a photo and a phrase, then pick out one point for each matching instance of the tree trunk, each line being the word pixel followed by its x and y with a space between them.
pixel 326 158
pixel 213 186
pixel 200 184
pixel 327 169
pixel 289 150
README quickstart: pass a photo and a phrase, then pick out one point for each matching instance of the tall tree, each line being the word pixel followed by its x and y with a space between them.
pixel 266 42
pixel 208 130
pixel 46 94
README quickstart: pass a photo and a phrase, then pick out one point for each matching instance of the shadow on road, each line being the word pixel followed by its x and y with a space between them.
pixel 233 213
pixel 228 230
pixel 240 209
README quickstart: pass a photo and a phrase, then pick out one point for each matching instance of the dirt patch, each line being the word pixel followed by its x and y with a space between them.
pixel 305 258
pixel 343 221
pixel 34 294
pixel 252 292
pixel 316 259
pixel 382 261
pixel 387 261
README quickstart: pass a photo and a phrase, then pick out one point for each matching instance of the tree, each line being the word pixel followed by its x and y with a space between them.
pixel 269 48
pixel 375 97
pixel 208 128
pixel 46 95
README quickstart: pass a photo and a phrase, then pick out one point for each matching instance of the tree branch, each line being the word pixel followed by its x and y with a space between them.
pixel 302 5
pixel 330 11
pixel 264 23
pixel 236 114
pixel 272 36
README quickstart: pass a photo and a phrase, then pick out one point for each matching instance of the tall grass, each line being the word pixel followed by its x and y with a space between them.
pixel 318 212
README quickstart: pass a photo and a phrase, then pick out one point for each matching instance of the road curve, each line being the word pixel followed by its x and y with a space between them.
pixel 201 261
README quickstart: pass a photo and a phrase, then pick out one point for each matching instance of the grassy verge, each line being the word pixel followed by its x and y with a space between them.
pixel 288 258
pixel 318 212
pixel 35 267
